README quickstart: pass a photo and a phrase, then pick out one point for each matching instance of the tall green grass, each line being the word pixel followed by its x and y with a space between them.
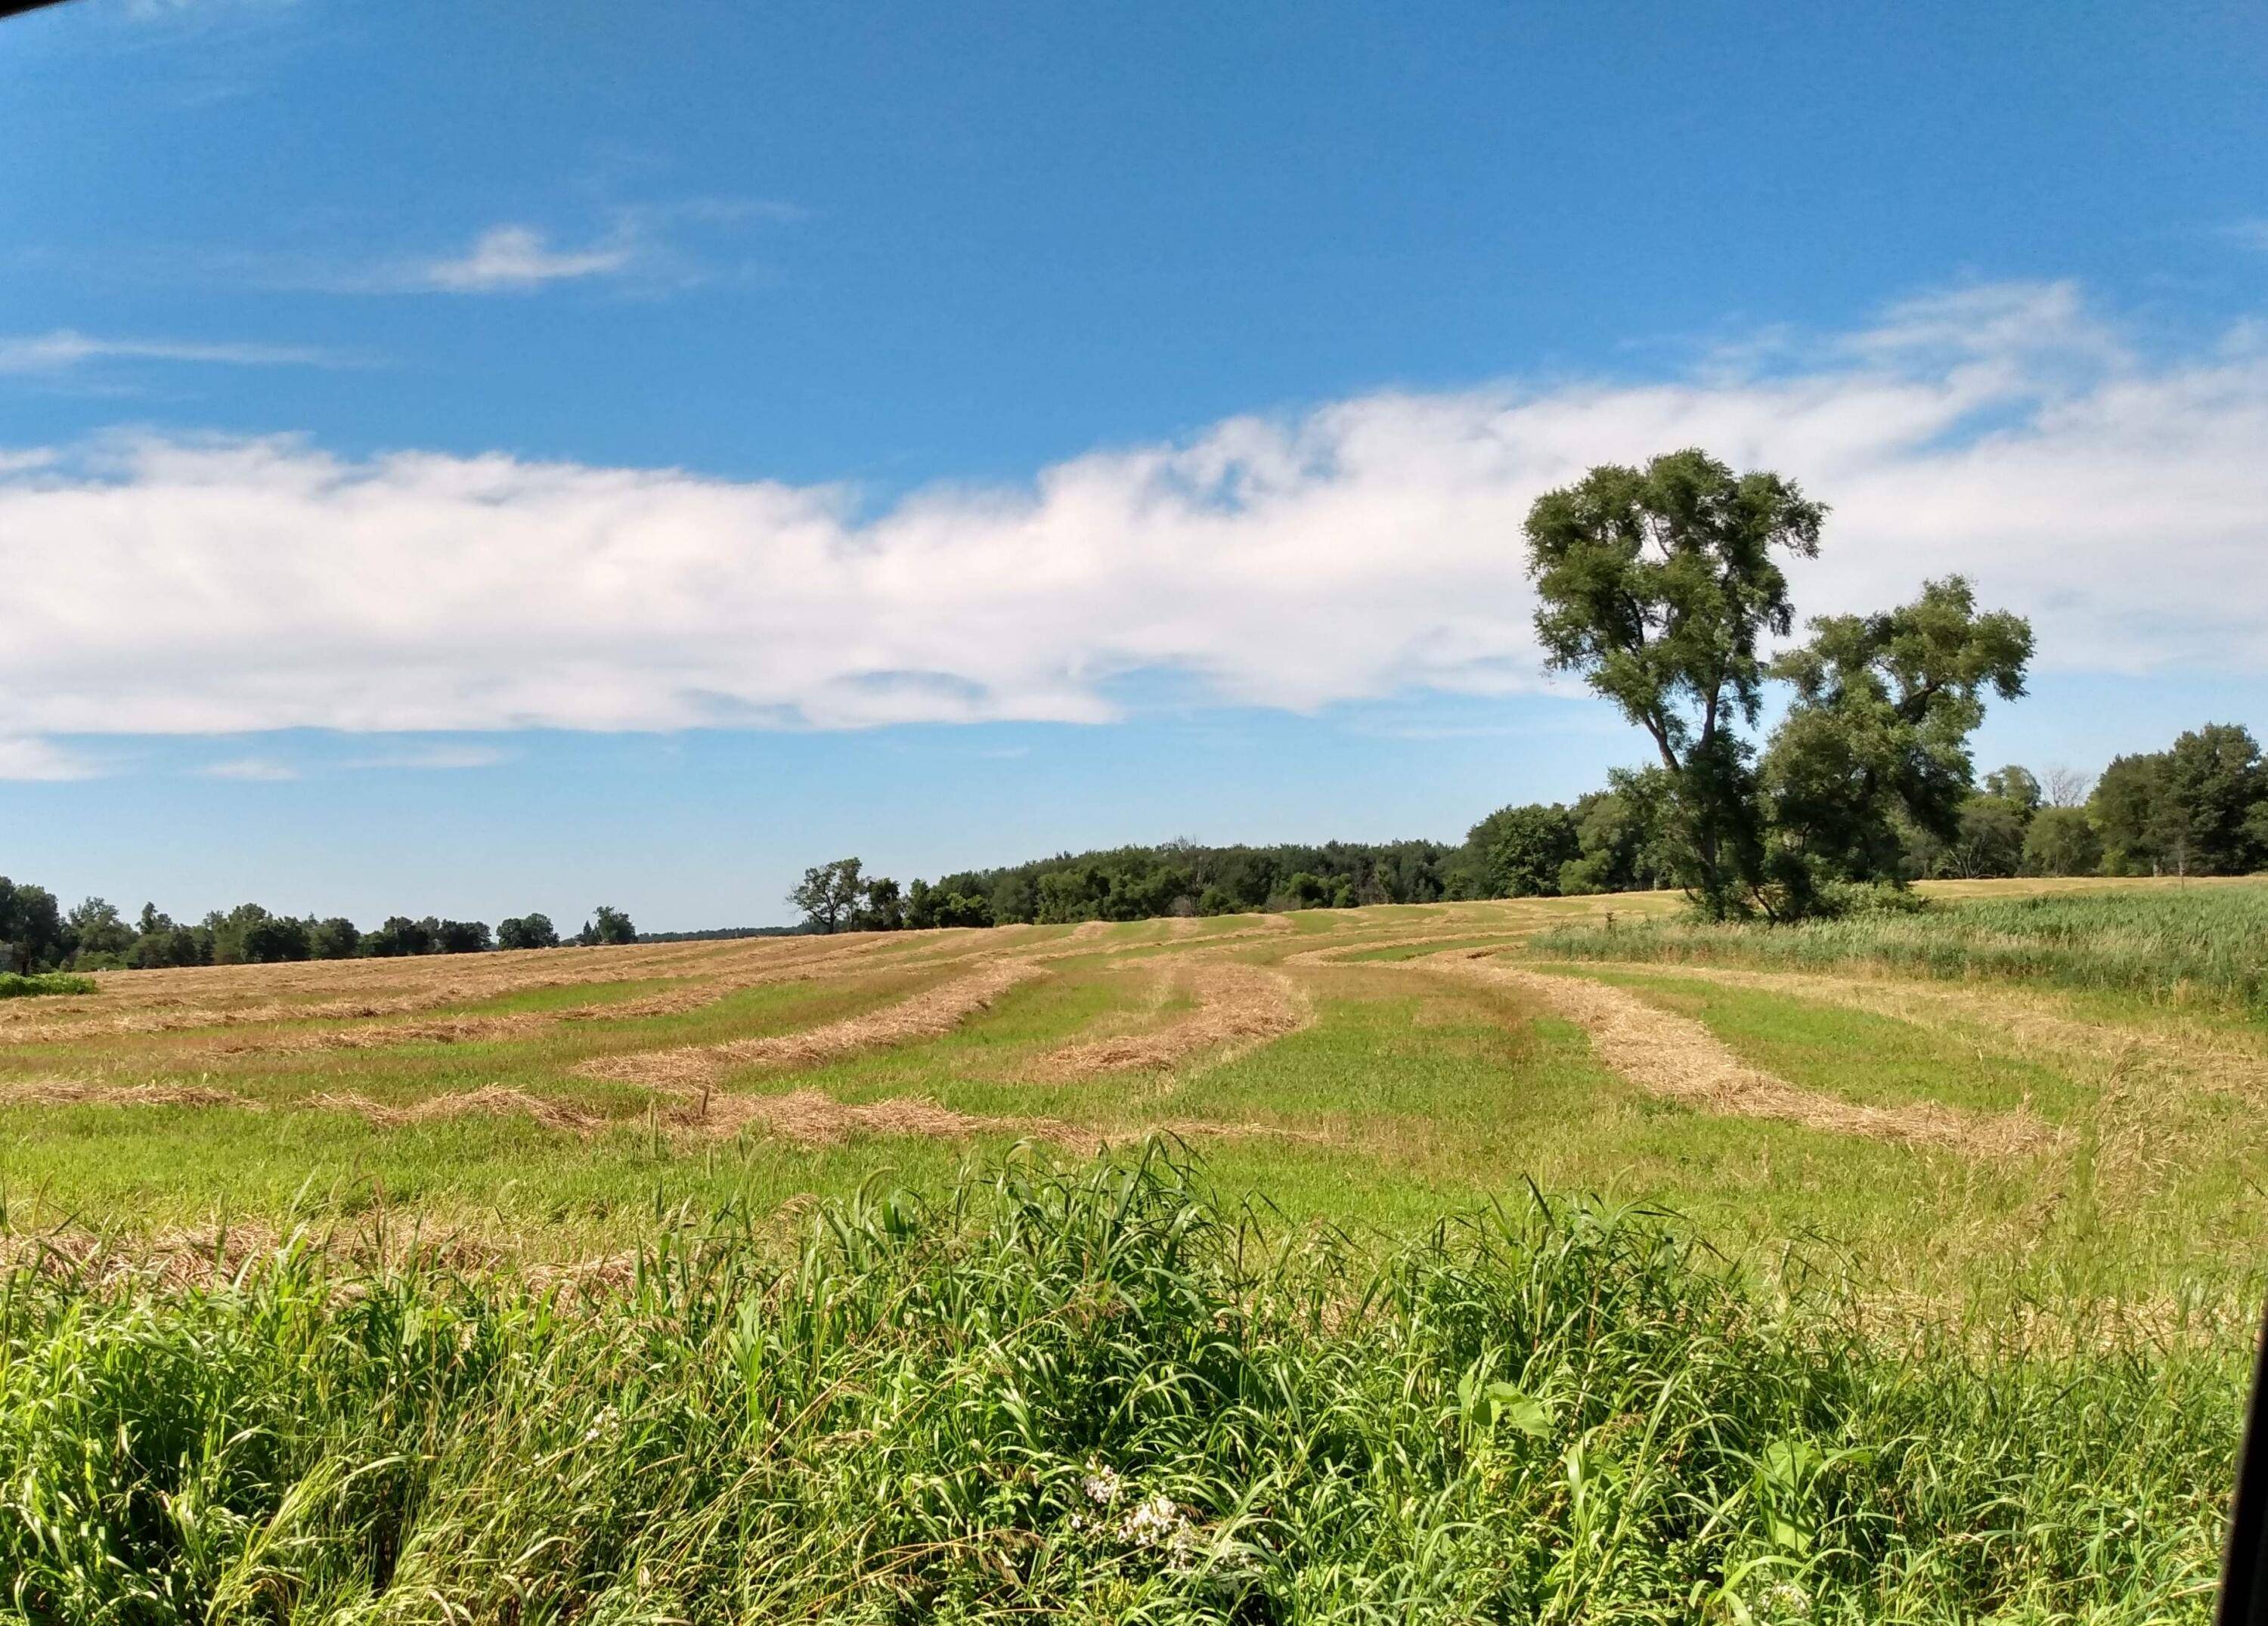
pixel 15 985
pixel 1092 1394
pixel 2205 946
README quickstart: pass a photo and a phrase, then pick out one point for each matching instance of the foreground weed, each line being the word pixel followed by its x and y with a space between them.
pixel 1091 1392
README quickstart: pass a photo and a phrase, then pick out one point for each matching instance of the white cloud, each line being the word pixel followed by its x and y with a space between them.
pixel 515 258
pixel 22 758
pixel 1367 548
pixel 433 758
pixel 63 348
pixel 257 768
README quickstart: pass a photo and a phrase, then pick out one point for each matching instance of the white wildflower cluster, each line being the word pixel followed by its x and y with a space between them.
pixel 1155 1522
pixel 603 1424
pixel 1785 1600
pixel 1103 1484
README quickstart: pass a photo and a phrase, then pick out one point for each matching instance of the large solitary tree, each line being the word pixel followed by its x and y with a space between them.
pixel 1659 586
pixel 829 894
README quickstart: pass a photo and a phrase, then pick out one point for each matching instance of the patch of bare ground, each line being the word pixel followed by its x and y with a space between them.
pixel 1238 1007
pixel 1679 1058
pixel 929 1014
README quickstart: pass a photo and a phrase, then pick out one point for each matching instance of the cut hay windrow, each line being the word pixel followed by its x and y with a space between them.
pixel 930 1014
pixel 1678 1058
pixel 814 1118
pixel 82 1092
pixel 2028 1022
pixel 491 1100
pixel 160 1002
pixel 1238 1007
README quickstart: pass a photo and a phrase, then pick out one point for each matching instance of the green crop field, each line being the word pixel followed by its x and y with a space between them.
pixel 1543 1259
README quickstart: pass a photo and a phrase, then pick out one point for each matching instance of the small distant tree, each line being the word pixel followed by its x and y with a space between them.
pixel 2134 816
pixel 97 933
pixel 609 925
pixel 880 907
pixel 160 941
pixel 527 931
pixel 271 940
pixel 236 934
pixel 2214 779
pixel 1015 899
pixel 1519 852
pixel 827 893
pixel 1074 891
pixel 336 938
pixel 2062 842
pixel 2067 787
pixel 1618 832
pixel 400 935
pixel 31 927
pixel 960 909
pixel 462 937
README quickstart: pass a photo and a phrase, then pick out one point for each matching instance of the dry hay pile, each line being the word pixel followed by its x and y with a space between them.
pixel 1238 1007
pixel 814 1118
pixel 930 1014
pixel 80 1093
pixel 1674 1057
pixel 490 1101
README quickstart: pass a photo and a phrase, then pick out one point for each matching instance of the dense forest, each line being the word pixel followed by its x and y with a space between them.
pixel 2200 807
pixel 38 934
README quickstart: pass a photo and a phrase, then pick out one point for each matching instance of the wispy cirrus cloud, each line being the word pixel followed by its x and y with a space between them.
pixel 2252 234
pixel 642 248
pixel 255 769
pixel 1366 549
pixel 442 758
pixel 62 349
pixel 517 258
pixel 32 759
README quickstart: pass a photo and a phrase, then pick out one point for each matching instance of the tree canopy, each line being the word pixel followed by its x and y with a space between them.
pixel 1658 586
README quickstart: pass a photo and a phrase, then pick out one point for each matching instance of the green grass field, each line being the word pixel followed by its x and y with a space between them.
pixel 1904 1269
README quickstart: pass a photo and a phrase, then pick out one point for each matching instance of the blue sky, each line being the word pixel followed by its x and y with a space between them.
pixel 476 459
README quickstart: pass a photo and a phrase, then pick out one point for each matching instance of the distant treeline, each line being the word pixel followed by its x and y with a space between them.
pixel 2199 807
pixel 37 934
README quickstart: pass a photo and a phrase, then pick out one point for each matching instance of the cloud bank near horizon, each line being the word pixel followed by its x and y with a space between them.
pixel 1368 547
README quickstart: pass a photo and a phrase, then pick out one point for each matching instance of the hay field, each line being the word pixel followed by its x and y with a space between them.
pixel 1962 1141
pixel 1501 1264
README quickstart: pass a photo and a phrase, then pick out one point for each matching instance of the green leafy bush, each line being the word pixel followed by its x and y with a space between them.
pixel 14 986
